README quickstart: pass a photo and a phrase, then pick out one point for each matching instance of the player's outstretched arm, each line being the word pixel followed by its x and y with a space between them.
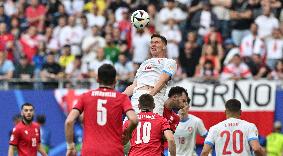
pixel 41 150
pixel 171 143
pixel 163 79
pixel 257 148
pixel 206 150
pixel 11 150
pixel 130 89
pixel 69 132
pixel 133 123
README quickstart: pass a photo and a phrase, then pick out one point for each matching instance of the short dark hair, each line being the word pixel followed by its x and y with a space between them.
pixel 177 90
pixel 163 39
pixel 146 101
pixel 106 74
pixel 26 104
pixel 233 105
pixel 41 119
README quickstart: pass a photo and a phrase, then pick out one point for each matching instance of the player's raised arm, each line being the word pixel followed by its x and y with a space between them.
pixel 171 143
pixel 163 79
pixel 130 89
pixel 257 148
pixel 69 131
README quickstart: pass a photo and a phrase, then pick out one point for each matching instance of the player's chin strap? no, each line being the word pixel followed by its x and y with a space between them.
pixel 70 146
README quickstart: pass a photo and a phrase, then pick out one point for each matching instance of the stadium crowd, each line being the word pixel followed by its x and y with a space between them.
pixel 210 39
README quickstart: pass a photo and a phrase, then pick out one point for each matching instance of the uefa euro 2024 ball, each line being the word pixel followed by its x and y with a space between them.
pixel 140 19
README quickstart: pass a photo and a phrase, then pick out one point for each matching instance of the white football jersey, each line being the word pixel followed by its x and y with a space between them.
pixel 231 137
pixel 150 70
pixel 185 135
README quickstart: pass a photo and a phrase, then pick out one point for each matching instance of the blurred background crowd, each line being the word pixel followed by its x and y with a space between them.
pixel 46 41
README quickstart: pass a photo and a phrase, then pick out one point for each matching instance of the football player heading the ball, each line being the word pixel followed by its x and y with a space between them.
pixel 153 75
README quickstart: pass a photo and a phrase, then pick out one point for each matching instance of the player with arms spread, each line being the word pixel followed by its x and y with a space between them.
pixel 103 110
pixel 153 75
pixel 148 135
pixel 26 135
pixel 233 136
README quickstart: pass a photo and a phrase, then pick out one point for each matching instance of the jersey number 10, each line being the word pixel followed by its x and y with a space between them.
pixel 235 134
pixel 146 128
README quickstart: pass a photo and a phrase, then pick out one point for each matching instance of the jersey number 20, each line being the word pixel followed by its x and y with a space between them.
pixel 146 128
pixel 101 112
pixel 236 134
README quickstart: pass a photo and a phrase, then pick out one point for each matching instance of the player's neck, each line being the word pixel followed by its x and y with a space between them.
pixel 233 116
pixel 168 105
pixel 106 86
pixel 26 122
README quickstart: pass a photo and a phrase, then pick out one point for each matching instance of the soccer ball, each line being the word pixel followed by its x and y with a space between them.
pixel 140 19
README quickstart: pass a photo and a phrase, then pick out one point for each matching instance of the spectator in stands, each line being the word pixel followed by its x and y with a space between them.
pixel 24 70
pixel 204 19
pixel 241 18
pixel 180 72
pixel 60 13
pixel 214 39
pixel 125 27
pixel 258 67
pixel 274 47
pixel 117 7
pixel 171 11
pixel 57 29
pixel 94 18
pixel 125 72
pixel 84 24
pixel 111 50
pixel 140 47
pixel 3 17
pixel 74 70
pixel 66 57
pixel 71 34
pixel 207 72
pixel 274 144
pixel 173 35
pixel 29 42
pixel 7 39
pixel 74 7
pixel 154 23
pixel 100 4
pixel 277 73
pixel 221 10
pixel 6 66
pixel 236 70
pixel 209 53
pixel 189 58
pixel 51 70
pixel 35 14
pixel 99 61
pixel 38 59
pixel 252 44
pixel 16 28
pixel 265 30
pixel 45 133
pixel 10 7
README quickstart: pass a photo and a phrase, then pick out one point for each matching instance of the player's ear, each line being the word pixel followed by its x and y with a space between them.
pixel 139 106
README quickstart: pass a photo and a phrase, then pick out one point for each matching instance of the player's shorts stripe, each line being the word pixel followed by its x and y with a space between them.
pixel 78 110
pixel 209 143
pixel 253 138
pixel 170 74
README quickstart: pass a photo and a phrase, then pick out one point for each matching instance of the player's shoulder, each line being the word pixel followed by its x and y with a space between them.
pixel 248 124
pixel 195 118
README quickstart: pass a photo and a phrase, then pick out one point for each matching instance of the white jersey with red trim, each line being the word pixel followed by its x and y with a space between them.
pixel 151 69
pixel 231 137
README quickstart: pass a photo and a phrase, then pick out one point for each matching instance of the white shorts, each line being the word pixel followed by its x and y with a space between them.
pixel 159 100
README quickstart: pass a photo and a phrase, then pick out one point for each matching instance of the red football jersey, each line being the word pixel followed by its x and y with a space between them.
pixel 147 137
pixel 103 112
pixel 26 138
pixel 172 118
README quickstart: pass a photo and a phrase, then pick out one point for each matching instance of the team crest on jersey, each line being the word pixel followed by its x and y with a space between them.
pixel 26 132
pixel 190 129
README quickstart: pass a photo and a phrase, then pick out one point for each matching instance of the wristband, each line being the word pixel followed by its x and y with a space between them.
pixel 70 146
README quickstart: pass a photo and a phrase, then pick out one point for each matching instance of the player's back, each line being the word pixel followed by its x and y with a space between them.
pixel 146 138
pixel 231 137
pixel 103 109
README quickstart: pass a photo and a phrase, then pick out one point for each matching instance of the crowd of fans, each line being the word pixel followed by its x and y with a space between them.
pixel 210 39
